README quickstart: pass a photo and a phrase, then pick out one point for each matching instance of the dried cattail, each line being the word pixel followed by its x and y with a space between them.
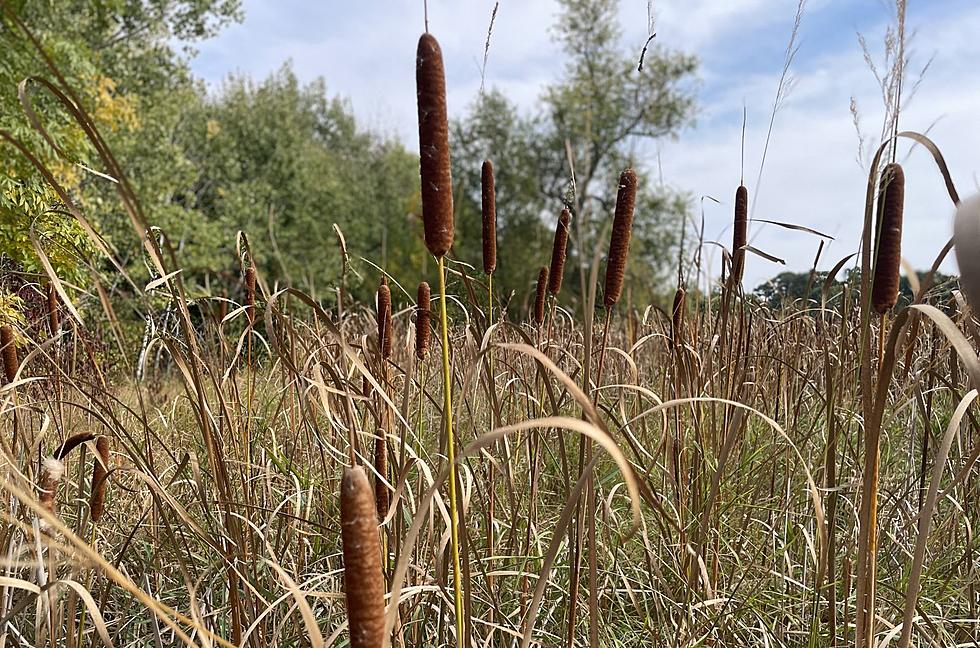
pixel 9 352
pixel 363 580
pixel 489 202
pixel 540 295
pixel 619 244
pixel 384 319
pixel 71 443
pixel 250 293
pixel 381 468
pixel 100 468
pixel 52 470
pixel 677 315
pixel 966 242
pixel 891 202
pixel 558 252
pixel 740 237
pixel 423 314
pixel 437 180
pixel 54 317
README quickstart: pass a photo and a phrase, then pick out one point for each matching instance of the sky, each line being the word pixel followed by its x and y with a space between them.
pixel 365 52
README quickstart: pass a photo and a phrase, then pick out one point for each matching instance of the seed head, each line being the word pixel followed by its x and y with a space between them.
pixel 540 295
pixel 100 469
pixel 619 244
pixel 558 253
pixel 423 313
pixel 363 581
pixel 437 181
pixel 489 203
pixel 740 236
pixel 891 203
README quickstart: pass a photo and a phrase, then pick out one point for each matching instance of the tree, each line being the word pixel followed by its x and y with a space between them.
pixel 601 111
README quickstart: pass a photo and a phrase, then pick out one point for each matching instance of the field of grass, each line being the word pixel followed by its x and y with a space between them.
pixel 715 473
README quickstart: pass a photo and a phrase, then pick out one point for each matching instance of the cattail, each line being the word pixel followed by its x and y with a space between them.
pixel 557 271
pixel 489 201
pixel 363 580
pixel 740 237
pixel 437 180
pixel 250 293
pixel 100 468
pixel 966 242
pixel 677 315
pixel 71 443
pixel 54 317
pixel 381 467
pixel 422 315
pixel 384 319
pixel 9 352
pixel 52 470
pixel 540 295
pixel 891 201
pixel 619 244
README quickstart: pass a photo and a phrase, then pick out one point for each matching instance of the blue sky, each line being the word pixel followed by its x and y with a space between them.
pixel 365 52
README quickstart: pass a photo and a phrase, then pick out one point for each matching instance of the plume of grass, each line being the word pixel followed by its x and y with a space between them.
pixel 884 290
pixel 364 587
pixel 437 215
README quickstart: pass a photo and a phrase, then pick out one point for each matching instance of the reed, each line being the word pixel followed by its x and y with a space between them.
pixel 891 201
pixel 539 296
pixel 619 243
pixel 8 351
pixel 364 587
pixel 100 469
pixel 437 216
pixel 558 253
pixel 740 235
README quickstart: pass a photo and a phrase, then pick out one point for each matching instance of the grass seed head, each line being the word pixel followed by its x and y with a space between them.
pixel 363 580
pixel 423 314
pixel 100 468
pixel 619 244
pixel 437 181
pixel 540 295
pixel 489 204
pixel 891 193
pixel 558 253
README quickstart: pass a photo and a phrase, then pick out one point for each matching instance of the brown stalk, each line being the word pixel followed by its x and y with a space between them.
pixel 437 181
pixel 363 580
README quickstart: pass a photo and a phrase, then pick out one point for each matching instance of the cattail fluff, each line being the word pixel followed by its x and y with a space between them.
pixel 9 352
pixel 437 181
pixel 250 293
pixel 558 253
pixel 619 244
pixel 384 319
pixel 100 469
pixel 489 204
pixel 363 580
pixel 740 237
pixel 52 470
pixel 677 316
pixel 423 314
pixel 891 203
pixel 540 295
pixel 54 317
pixel 966 243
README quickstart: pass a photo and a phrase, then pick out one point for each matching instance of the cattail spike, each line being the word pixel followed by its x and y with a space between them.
pixel 891 192
pixel 364 586
pixel 423 314
pixel 677 316
pixel 100 469
pixel 558 253
pixel 740 237
pixel 250 294
pixel 489 205
pixel 437 181
pixel 619 244
pixel 384 319
pixel 381 496
pixel 71 443
pixel 9 352
pixel 54 317
pixel 540 295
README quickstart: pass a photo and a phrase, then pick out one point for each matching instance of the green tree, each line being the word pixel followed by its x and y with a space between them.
pixel 601 111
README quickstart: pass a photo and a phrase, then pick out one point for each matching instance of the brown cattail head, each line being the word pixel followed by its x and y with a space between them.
pixel 250 293
pixel 52 470
pixel 558 252
pixel 9 352
pixel 891 202
pixel 740 237
pixel 71 443
pixel 540 295
pixel 619 244
pixel 384 319
pixel 677 316
pixel 489 217
pixel 381 497
pixel 100 468
pixel 363 580
pixel 437 180
pixel 423 314
pixel 54 317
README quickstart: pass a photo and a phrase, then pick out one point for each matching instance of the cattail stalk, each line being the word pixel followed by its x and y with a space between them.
pixel 558 253
pixel 619 243
pixel 364 587
pixel 100 469
pixel 740 235
pixel 540 295
pixel 9 352
pixel 884 290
